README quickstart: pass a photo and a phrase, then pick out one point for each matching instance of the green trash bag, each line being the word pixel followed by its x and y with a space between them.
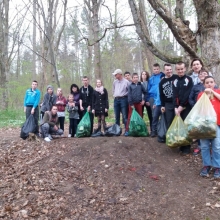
pixel 137 126
pixel 177 134
pixel 201 121
pixel 84 127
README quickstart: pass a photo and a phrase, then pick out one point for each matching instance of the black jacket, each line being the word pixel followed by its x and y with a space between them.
pixel 100 102
pixel 135 93
pixel 166 89
pixel 181 89
pixel 86 94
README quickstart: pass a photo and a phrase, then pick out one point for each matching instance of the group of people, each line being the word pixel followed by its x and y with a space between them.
pixel 161 93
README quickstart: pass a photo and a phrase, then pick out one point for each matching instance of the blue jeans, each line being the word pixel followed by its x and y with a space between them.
pixel 156 115
pixel 214 158
pixel 121 106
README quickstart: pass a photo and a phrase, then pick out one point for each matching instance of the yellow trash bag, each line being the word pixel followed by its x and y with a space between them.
pixel 201 121
pixel 177 134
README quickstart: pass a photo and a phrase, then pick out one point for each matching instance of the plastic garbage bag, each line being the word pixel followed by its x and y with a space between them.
pixel 177 134
pixel 162 129
pixel 114 130
pixel 137 126
pixel 201 121
pixel 28 127
pixel 97 134
pixel 84 126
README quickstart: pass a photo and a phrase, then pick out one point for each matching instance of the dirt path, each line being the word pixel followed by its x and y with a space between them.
pixel 102 179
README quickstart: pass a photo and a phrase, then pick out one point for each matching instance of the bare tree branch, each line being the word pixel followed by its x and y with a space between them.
pixel 177 27
pixel 142 31
pixel 105 31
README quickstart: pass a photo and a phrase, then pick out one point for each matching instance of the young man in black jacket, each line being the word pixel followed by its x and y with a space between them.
pixel 85 100
pixel 166 93
pixel 181 89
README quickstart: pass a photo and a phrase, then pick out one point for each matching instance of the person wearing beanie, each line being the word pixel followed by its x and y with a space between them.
pixel 48 101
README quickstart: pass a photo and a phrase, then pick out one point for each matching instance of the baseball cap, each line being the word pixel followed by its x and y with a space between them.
pixel 117 71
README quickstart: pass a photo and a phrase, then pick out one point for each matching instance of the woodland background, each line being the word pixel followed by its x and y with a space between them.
pixel 59 41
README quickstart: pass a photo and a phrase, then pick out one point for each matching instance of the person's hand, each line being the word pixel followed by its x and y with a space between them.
pixel 162 109
pixel 81 108
pixel 106 110
pixel 208 92
pixel 180 109
pixel 132 106
pixel 24 109
pixel 73 104
pixel 32 111
pixel 148 103
pixel 89 108
pixel 55 128
pixel 177 112
pixel 93 111
pixel 142 103
pixel 154 106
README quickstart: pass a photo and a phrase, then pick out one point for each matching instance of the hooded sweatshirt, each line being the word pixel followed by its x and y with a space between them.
pixel 153 84
pixel 48 101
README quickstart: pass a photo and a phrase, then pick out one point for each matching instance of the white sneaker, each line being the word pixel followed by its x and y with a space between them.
pixel 69 135
pixel 47 139
pixel 49 136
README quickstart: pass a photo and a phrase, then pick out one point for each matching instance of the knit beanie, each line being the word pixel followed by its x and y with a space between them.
pixel 49 87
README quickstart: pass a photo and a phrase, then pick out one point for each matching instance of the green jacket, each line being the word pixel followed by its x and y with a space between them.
pixel 47 119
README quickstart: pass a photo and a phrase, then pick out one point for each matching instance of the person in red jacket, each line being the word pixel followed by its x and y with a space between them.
pixel 61 104
pixel 211 159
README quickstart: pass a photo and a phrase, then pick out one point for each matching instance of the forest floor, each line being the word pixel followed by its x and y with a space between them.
pixel 106 178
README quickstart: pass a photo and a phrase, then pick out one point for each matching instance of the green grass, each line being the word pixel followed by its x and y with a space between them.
pixel 12 118
pixel 16 117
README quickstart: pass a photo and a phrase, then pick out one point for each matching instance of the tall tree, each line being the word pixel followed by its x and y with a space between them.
pixel 208 31
pixel 4 40
pixel 94 7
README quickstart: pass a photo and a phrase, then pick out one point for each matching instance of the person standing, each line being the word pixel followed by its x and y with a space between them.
pixel 127 75
pixel 196 66
pixel 61 104
pixel 100 104
pixel 72 108
pixel 182 86
pixel 153 84
pixel 166 94
pixel 136 98
pixel 211 158
pixel 144 80
pixel 48 101
pixel 85 99
pixel 120 94
pixel 31 103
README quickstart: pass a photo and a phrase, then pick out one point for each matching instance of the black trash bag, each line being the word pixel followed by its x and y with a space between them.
pixel 114 130
pixel 97 134
pixel 162 128
pixel 28 127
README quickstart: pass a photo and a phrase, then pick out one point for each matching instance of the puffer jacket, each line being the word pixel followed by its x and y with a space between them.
pixel 135 93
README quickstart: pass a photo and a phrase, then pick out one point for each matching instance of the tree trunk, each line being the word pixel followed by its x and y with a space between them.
pixel 34 40
pixel 208 28
pixel 4 63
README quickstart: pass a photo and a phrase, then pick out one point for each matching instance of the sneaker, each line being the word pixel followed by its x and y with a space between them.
pixel 217 173
pixel 196 151
pixel 126 134
pixel 47 139
pixel 69 135
pixel 49 136
pixel 153 134
pixel 205 171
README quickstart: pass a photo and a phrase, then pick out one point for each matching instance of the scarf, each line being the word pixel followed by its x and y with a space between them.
pixel 195 78
pixel 99 89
